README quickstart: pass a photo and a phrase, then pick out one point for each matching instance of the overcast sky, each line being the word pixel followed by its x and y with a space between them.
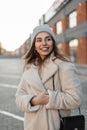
pixel 18 18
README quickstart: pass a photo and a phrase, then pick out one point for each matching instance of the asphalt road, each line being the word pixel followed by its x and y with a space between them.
pixel 11 118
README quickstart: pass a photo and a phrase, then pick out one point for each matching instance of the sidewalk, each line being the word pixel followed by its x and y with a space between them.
pixel 82 69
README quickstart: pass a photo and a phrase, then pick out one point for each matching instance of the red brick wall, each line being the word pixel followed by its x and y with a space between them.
pixel 54 28
pixel 82 12
pixel 65 23
pixel 82 51
pixel 82 42
pixel 65 48
pixel 65 45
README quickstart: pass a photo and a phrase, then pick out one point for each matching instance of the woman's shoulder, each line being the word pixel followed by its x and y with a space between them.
pixel 66 68
pixel 60 61
pixel 26 71
pixel 26 68
pixel 64 64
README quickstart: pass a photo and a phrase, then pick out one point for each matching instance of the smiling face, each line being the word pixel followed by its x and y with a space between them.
pixel 43 44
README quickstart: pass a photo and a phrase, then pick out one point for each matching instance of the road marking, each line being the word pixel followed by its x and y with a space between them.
pixel 11 115
pixel 8 85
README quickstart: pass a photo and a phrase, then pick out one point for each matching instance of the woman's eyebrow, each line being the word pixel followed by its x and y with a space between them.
pixel 48 36
pixel 38 37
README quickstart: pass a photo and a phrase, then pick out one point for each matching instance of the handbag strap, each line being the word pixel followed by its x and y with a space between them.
pixel 61 116
pixel 58 110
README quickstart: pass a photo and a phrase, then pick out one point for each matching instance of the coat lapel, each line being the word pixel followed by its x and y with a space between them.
pixel 49 70
pixel 33 79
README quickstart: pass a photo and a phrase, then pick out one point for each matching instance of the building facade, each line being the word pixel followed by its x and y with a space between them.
pixel 68 20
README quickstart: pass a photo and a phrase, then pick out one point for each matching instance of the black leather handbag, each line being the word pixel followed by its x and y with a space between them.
pixel 75 122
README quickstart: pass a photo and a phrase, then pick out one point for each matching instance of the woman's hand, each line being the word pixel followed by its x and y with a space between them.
pixel 40 99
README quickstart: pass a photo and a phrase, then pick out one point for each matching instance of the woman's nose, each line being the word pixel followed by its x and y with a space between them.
pixel 44 42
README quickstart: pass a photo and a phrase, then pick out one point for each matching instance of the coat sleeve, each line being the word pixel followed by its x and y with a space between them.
pixel 70 95
pixel 23 97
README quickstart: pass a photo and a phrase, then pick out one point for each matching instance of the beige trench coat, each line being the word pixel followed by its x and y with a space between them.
pixel 47 117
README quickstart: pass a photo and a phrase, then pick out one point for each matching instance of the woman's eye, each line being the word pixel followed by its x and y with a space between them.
pixel 38 40
pixel 49 39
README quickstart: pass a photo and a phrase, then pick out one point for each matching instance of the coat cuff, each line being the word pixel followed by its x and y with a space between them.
pixel 32 108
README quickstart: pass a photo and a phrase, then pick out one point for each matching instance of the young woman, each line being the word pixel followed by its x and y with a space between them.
pixel 49 84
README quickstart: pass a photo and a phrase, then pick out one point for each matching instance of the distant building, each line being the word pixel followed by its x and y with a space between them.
pixel 68 20
pixel 23 48
pixel 2 50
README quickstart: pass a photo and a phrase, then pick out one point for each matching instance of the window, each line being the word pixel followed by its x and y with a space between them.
pixel 72 19
pixel 59 27
pixel 73 49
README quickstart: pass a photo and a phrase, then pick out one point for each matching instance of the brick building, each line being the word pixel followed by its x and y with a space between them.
pixel 68 20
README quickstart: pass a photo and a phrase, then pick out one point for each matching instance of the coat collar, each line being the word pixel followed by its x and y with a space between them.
pixel 49 70
pixel 51 67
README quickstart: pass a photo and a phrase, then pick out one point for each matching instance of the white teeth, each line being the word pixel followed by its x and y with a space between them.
pixel 44 49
